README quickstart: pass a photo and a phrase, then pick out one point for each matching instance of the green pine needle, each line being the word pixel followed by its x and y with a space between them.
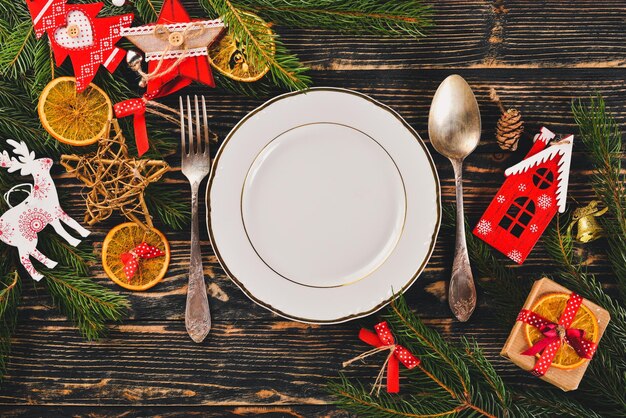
pixel 602 138
pixel 410 18
pixel 263 49
pixel 453 379
pixel 84 301
pixel 147 10
pixel 164 201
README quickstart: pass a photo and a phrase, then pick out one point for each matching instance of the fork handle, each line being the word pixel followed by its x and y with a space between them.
pixel 197 314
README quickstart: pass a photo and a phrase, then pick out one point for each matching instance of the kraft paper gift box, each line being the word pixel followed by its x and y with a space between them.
pixel 517 343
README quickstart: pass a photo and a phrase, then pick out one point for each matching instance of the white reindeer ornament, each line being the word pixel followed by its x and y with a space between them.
pixel 20 224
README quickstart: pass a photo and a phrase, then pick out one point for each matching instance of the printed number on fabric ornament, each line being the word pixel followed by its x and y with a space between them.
pixel 20 224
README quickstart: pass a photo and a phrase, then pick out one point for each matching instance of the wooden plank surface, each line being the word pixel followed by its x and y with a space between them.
pixel 539 55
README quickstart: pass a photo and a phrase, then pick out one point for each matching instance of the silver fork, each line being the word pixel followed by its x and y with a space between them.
pixel 195 165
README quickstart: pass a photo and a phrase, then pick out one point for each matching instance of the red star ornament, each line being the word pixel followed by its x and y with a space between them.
pixel 74 30
pixel 164 44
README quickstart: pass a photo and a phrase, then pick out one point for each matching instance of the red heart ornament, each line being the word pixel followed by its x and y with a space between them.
pixel 77 34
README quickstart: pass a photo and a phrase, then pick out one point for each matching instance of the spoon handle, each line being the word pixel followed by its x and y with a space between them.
pixel 461 292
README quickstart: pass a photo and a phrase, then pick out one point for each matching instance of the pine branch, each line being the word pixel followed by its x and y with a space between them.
pixel 482 366
pixel 12 13
pixel 147 10
pixel 263 49
pixel 452 380
pixel 164 201
pixel 76 258
pixel 18 46
pixel 446 367
pixel 355 398
pixel 541 403
pixel 602 138
pixel 380 17
pixel 84 301
pixel 606 375
pixel 10 288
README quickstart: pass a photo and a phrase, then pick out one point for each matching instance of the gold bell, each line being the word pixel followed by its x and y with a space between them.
pixel 587 227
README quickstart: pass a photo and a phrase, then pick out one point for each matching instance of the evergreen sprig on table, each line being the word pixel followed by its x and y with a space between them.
pixel 453 379
pixel 603 140
pixel 601 389
pixel 408 18
pixel 384 18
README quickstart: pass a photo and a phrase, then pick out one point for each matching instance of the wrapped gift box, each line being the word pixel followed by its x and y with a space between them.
pixel 516 344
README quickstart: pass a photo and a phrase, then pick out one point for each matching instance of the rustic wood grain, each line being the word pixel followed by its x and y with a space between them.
pixel 151 363
pixel 539 55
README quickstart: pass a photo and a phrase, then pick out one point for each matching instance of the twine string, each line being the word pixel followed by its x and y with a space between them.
pixel 117 182
pixel 378 383
pixel 192 31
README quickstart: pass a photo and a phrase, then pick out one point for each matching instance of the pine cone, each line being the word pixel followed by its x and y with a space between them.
pixel 510 125
pixel 509 129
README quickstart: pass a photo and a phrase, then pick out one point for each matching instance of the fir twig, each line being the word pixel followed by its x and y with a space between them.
pixel 607 371
pixel 164 201
pixel 504 289
pixel 263 49
pixel 452 380
pixel 84 301
pixel 148 10
pixel 603 140
pixel 387 18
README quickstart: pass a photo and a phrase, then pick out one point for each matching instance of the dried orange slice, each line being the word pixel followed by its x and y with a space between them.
pixel 551 306
pixel 228 55
pixel 74 118
pixel 126 237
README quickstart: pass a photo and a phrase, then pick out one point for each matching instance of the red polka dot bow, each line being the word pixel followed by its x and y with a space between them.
pixel 131 258
pixel 137 108
pixel 383 340
pixel 556 334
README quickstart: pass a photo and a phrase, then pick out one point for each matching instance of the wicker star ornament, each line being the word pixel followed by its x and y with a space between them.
pixel 117 182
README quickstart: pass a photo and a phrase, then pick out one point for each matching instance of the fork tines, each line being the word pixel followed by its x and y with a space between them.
pixel 194 144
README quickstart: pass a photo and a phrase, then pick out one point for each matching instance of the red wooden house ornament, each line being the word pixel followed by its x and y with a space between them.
pixel 534 189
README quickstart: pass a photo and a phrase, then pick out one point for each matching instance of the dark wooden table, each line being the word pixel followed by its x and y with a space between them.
pixel 538 54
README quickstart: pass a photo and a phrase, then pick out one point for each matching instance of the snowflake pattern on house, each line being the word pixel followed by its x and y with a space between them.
pixel 483 227
pixel 544 201
pixel 532 193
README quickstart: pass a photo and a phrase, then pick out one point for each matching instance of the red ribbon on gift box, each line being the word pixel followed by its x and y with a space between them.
pixel 557 334
pixel 383 340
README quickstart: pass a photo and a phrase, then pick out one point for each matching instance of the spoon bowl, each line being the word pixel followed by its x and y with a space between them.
pixel 454 119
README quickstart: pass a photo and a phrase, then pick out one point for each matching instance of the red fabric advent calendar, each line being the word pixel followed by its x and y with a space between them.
pixel 534 190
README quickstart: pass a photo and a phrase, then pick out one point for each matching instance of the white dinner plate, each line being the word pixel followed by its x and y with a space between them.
pixel 323 204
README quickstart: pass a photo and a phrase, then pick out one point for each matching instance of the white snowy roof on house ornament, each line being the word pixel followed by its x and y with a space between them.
pixel 563 148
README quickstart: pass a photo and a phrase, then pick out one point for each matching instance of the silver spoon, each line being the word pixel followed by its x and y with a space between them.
pixel 454 130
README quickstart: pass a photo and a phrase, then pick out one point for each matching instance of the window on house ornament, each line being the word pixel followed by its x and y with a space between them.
pixel 518 216
pixel 543 178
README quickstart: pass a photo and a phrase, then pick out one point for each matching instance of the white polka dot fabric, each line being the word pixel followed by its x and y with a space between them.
pixel 131 258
